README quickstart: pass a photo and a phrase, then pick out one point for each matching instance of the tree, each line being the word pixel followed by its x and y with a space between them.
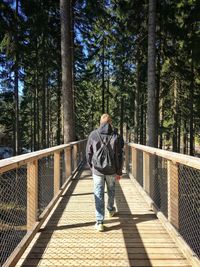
pixel 110 70
pixel 67 70
pixel 151 101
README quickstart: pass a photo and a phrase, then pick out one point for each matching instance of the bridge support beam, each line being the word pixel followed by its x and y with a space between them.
pixel 32 194
pixel 56 172
pixel 127 158
pixel 68 161
pixel 146 172
pixel 75 155
pixel 173 193
pixel 134 162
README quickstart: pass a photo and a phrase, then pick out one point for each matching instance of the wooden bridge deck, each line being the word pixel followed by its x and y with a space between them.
pixel 134 237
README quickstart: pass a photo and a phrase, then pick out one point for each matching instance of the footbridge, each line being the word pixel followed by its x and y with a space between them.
pixel 47 210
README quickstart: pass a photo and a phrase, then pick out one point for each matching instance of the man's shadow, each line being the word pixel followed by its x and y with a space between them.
pixel 128 222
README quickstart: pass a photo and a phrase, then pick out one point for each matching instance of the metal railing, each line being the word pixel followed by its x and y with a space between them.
pixel 172 181
pixel 29 187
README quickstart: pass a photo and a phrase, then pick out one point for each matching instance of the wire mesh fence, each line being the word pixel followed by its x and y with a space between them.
pixel 21 188
pixel 45 182
pixel 186 180
pixel 13 207
pixel 162 184
pixel 77 155
pixel 154 182
pixel 158 183
pixel 189 206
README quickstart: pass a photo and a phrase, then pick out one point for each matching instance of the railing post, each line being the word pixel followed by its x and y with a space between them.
pixel 56 172
pixel 81 151
pixel 173 194
pixel 126 158
pixel 75 154
pixel 32 194
pixel 146 172
pixel 68 161
pixel 134 162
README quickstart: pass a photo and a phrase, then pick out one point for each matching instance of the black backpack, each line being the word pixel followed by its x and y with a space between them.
pixel 103 159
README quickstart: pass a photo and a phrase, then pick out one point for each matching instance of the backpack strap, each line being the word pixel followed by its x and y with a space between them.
pixel 101 139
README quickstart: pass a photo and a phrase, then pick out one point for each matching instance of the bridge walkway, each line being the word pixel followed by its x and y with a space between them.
pixel 133 237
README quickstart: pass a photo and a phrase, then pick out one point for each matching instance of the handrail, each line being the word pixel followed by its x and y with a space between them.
pixel 173 156
pixel 171 184
pixel 17 161
pixel 30 185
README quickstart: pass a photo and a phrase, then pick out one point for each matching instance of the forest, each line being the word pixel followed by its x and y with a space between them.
pixel 137 60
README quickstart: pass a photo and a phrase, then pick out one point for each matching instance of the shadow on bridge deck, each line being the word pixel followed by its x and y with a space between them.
pixel 134 237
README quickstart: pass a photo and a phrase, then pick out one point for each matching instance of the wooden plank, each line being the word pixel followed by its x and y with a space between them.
pixel 32 194
pixel 106 245
pixel 126 157
pixel 134 162
pixel 146 172
pixel 68 163
pixel 97 250
pixel 106 256
pixel 56 172
pixel 173 192
pixel 104 262
pixel 75 155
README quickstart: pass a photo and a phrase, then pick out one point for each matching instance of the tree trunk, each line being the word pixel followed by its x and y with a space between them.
pixel 175 119
pixel 157 121
pixel 192 110
pixel 179 137
pixel 72 59
pixel 142 119
pixel 151 100
pixel 48 118
pixel 34 117
pixel 108 90
pixel 161 124
pixel 38 110
pixel 122 115
pixel 32 124
pixel 58 135
pixel 16 94
pixel 66 56
pixel 185 137
pixel 103 78
pixel 92 112
pixel 136 113
pixel 44 143
pixel 145 122
pixel 16 84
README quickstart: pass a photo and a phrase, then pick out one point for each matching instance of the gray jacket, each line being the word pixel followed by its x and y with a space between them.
pixel 93 143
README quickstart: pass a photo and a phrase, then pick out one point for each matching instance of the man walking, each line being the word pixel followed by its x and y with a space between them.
pixel 104 156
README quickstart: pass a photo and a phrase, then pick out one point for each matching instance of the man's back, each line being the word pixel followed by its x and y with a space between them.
pixel 94 144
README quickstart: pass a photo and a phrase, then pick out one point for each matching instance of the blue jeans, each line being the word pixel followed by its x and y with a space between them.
pixel 99 186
